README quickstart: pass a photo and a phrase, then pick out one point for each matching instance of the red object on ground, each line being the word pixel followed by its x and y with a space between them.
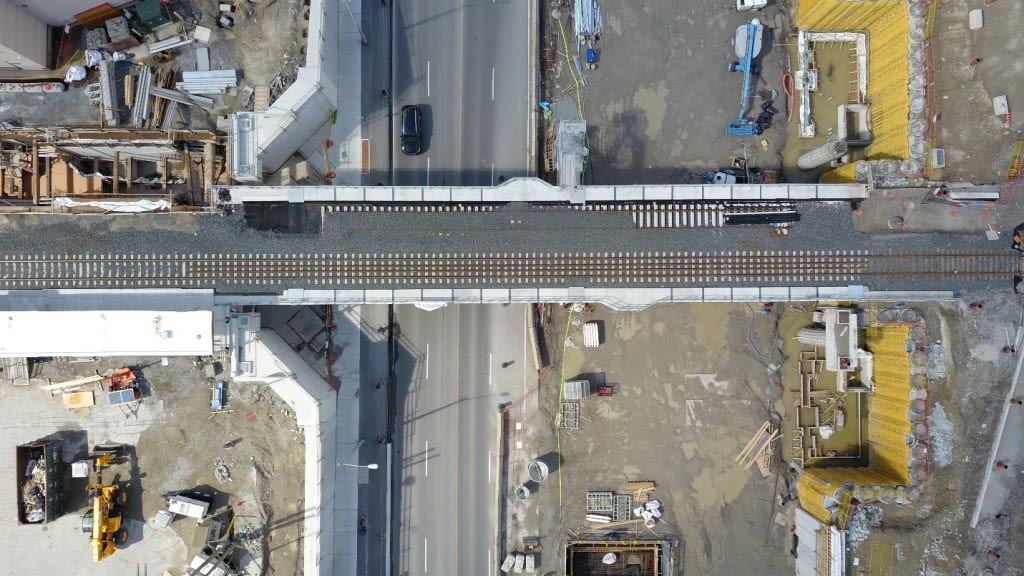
pixel 1016 401
pixel 993 554
pixel 788 87
pixel 975 61
pixel 250 416
pixel 604 390
pixel 975 306
pixel 1001 465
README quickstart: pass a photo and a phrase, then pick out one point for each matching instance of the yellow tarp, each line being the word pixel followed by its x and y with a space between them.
pixel 886 23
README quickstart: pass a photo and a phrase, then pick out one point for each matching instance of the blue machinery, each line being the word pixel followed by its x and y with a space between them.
pixel 748 46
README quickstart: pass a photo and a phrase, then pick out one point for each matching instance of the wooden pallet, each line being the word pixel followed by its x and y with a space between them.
pixel 261 100
pixel 549 148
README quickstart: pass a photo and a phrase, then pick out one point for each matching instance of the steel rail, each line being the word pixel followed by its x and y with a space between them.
pixel 339 269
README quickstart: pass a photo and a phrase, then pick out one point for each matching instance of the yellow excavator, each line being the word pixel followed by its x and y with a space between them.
pixel 103 520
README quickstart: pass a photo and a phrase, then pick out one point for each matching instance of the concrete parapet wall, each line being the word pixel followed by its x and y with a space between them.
pixel 313 401
pixel 538 191
pixel 617 298
pixel 306 105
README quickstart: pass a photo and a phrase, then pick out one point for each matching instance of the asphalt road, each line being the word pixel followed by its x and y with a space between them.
pixel 465 63
pixel 452 375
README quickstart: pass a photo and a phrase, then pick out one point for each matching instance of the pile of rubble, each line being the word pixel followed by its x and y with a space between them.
pixel 33 492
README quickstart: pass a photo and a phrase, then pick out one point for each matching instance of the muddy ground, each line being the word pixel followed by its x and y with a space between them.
pixel 689 391
pixel 690 388
pixel 657 105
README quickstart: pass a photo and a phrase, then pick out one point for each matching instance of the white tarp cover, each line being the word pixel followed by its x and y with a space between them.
pixel 106 333
pixel 131 207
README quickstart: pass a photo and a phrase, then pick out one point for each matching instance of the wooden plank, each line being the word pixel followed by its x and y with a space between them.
pixel 76 382
pixel 164 176
pixel 641 491
pixel 619 524
pixel 73 400
pixel 746 449
pixel 207 174
pixel 129 173
pixel 35 172
pixel 115 180
pixel 97 15
pixel 188 173
pixel 366 156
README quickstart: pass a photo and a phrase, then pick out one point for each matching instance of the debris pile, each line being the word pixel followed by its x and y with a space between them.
pixel 33 491
pixel 862 520
pixel 610 510
pixel 941 437
pixel 650 512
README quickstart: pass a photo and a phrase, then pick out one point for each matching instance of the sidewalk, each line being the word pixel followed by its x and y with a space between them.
pixel 330 421
pixel 340 549
pixel 1008 449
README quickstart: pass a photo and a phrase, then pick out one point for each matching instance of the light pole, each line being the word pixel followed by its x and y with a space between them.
pixel 362 37
pixel 373 466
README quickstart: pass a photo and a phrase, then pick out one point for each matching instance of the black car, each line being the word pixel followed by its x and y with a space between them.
pixel 412 130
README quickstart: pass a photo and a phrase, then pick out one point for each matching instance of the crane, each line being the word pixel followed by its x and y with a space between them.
pixel 748 45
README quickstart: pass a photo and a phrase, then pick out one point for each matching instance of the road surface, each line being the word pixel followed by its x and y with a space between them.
pixel 466 64
pixel 455 366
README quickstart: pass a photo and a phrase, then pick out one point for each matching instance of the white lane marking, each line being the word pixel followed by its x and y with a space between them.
pixel 428 78
pixel 427 377
pixel 425 555
pixel 428 170
pixel 489 466
pixel 490 370
pixel 426 457
pixel 492 83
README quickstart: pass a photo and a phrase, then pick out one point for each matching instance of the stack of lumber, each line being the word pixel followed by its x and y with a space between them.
pixel 759 449
pixel 641 491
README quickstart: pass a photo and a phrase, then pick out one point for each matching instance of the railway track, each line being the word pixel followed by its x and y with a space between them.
pixel 693 269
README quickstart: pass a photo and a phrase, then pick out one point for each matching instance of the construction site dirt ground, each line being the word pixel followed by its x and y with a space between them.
pixel 266 44
pixel 689 392
pixel 692 383
pixel 176 445
pixel 659 101
pixel 657 105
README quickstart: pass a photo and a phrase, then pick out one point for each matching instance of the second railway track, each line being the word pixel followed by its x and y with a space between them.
pixel 434 270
